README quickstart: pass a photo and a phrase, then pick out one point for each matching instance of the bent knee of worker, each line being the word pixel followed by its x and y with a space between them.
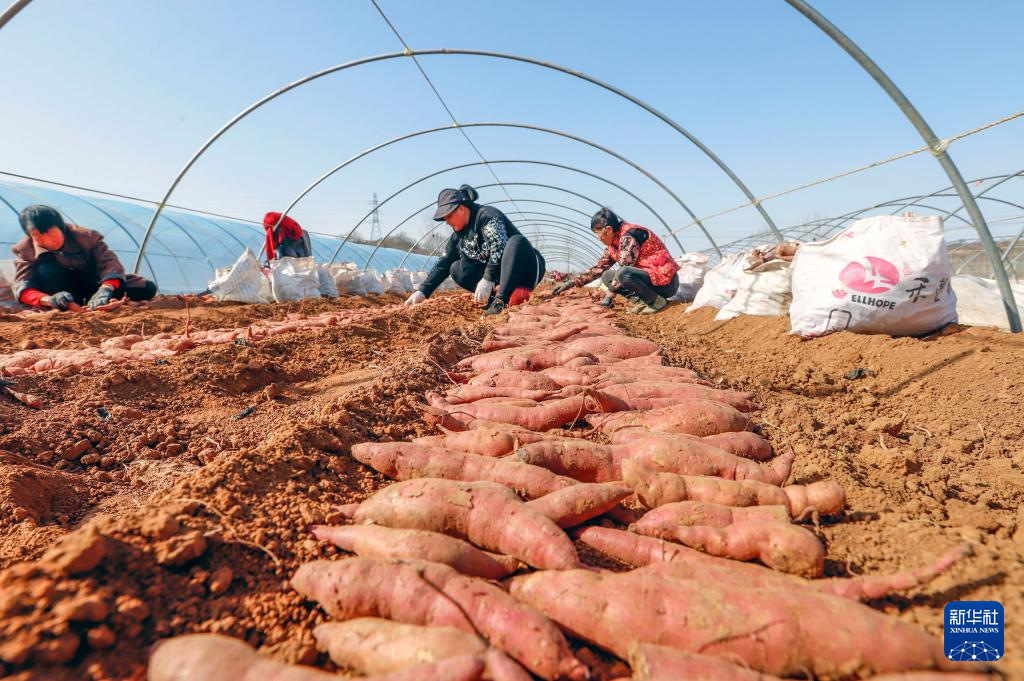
pixel 608 278
pixel 144 292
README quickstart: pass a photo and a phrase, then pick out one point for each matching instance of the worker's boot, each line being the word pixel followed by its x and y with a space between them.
pixel 607 301
pixel 657 306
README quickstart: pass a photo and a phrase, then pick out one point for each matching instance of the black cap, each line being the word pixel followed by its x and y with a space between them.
pixel 447 201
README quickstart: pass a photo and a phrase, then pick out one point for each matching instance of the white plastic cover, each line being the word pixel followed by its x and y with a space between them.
pixel 294 279
pixel 885 274
pixel 979 303
pixel 328 289
pixel 763 292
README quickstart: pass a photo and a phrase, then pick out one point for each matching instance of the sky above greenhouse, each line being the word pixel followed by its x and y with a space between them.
pixel 118 94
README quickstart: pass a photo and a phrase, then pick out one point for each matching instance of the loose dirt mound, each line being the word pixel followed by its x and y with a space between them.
pixel 198 479
pixel 925 434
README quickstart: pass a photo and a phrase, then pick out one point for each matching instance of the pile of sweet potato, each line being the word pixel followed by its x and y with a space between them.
pixel 565 432
pixel 163 345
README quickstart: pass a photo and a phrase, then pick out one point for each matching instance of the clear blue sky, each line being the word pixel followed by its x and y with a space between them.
pixel 117 94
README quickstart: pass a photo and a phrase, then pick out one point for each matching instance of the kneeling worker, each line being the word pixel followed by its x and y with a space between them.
pixel 485 254
pixel 646 271
pixel 62 266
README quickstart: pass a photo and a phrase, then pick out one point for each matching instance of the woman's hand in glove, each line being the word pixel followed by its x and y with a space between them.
pixel 562 288
pixel 416 298
pixel 483 291
pixel 103 295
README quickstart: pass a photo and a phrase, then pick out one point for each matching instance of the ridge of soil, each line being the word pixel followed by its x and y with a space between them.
pixel 928 444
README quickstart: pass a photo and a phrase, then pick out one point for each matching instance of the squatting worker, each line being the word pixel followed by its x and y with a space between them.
pixel 285 240
pixel 646 271
pixel 62 266
pixel 485 254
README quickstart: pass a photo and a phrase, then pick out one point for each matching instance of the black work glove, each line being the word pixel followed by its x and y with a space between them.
pixel 562 288
pixel 61 300
pixel 103 295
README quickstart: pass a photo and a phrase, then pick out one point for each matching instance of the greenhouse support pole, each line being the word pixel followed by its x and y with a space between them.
pixel 937 146
pixel 12 11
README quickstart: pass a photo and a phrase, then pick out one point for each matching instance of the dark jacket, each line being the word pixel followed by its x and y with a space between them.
pixel 482 241
pixel 84 252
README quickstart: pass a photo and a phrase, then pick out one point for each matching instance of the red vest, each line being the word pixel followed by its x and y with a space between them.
pixel 653 257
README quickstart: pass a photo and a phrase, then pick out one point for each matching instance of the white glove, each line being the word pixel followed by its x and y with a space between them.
pixel 483 290
pixel 416 298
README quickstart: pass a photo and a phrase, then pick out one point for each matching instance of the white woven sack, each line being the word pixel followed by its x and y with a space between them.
pixel 886 274
pixel 328 289
pixel 294 279
pixel 692 269
pixel 7 299
pixel 371 282
pixel 719 283
pixel 979 303
pixel 348 280
pixel 417 279
pixel 241 282
pixel 763 292
pixel 397 281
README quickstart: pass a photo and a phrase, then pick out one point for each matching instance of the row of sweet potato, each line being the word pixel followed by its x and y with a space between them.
pixel 466 567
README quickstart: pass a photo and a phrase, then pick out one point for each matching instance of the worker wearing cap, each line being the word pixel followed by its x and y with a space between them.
pixel 62 266
pixel 485 254
pixel 647 272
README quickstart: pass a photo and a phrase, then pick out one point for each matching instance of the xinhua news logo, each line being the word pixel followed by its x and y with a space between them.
pixel 973 631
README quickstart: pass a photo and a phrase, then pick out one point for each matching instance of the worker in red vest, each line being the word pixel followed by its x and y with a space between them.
pixel 647 272
pixel 285 240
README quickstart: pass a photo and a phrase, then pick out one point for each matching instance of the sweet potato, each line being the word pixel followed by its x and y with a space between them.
pixel 578 459
pixel 472 393
pixel 482 441
pixel 653 359
pixel 538 418
pixel 623 396
pixel 693 416
pixel 654 488
pixel 744 443
pixel 470 511
pixel 422 593
pixel 211 657
pixel 686 456
pixel 784 547
pixel 620 347
pixel 529 358
pixel 374 541
pixel 370 645
pixel 662 520
pixel 672 560
pixel 406 461
pixel 530 380
pixel 577 504
pixel 651 662
pixel 786 633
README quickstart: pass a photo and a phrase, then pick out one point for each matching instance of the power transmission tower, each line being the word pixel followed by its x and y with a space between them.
pixel 375 222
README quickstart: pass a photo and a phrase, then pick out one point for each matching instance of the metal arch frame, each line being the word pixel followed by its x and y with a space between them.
pixel 492 162
pixel 522 126
pixel 937 147
pixel 986 190
pixel 909 202
pixel 447 52
pixel 549 203
pixel 564 219
pixel 12 11
pixel 485 186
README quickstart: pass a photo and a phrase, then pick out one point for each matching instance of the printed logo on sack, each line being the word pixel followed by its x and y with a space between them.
pixel 973 631
pixel 874 275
